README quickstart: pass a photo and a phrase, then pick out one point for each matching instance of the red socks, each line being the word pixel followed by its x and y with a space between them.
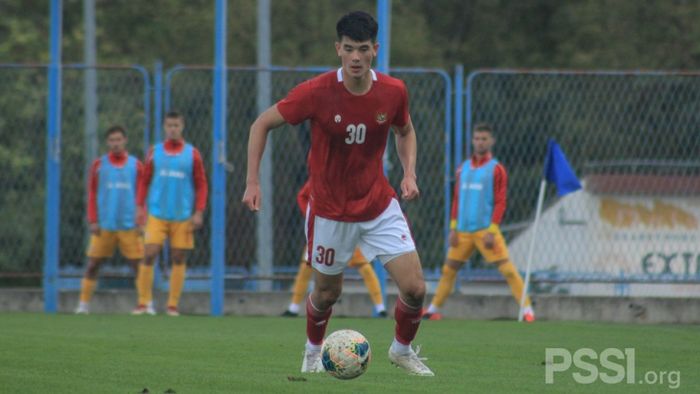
pixel 407 322
pixel 316 323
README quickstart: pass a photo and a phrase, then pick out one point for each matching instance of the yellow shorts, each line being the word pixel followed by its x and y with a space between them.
pixel 103 245
pixel 180 234
pixel 357 260
pixel 467 242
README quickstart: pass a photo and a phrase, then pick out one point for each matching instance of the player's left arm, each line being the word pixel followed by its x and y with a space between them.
pixel 92 197
pixel 201 189
pixel 406 147
pixel 140 213
pixel 257 138
pixel 500 186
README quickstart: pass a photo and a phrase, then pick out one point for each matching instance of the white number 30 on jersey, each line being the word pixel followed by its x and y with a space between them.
pixel 356 134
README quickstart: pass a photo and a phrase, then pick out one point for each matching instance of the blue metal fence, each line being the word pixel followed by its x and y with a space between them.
pixel 187 90
pixel 632 138
pixel 525 106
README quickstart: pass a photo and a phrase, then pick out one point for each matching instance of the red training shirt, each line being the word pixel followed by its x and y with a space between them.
pixel 348 138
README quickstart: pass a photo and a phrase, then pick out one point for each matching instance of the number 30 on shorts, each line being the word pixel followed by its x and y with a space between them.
pixel 325 256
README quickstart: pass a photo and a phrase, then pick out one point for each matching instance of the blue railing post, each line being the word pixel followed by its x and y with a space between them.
pixel 53 162
pixel 158 101
pixel 147 89
pixel 159 282
pixel 459 116
pixel 218 198
pixel 468 111
pixel 448 155
pixel 384 39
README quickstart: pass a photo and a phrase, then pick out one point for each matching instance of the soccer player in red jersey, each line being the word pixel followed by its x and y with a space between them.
pixel 352 204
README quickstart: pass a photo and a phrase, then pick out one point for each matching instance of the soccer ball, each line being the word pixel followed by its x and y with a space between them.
pixel 346 354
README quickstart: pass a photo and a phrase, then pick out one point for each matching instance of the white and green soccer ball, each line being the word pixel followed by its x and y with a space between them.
pixel 346 354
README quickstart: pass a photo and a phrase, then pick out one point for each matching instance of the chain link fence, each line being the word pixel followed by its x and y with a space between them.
pixel 188 90
pixel 632 139
pixel 22 167
pixel 120 95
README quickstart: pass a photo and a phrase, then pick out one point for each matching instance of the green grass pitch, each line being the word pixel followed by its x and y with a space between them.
pixel 196 354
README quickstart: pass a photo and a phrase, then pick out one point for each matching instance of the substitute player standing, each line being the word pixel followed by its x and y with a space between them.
pixel 111 211
pixel 176 186
pixel 477 209
pixel 352 204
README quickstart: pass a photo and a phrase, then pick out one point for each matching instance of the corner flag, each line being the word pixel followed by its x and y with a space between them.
pixel 558 171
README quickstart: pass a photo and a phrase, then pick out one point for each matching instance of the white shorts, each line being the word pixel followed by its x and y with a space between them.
pixel 332 243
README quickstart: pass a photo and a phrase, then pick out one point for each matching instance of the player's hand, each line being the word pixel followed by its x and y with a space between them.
pixel 251 197
pixel 197 220
pixel 409 188
pixel 94 229
pixel 452 239
pixel 489 240
pixel 140 216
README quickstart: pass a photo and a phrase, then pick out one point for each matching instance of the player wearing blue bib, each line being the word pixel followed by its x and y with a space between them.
pixel 477 210
pixel 174 192
pixel 112 190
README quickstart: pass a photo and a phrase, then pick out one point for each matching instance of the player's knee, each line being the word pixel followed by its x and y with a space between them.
pixel 415 293
pixel 328 295
pixel 452 264
pixel 508 270
pixel 92 269
pixel 151 252
pixel 149 258
pixel 178 256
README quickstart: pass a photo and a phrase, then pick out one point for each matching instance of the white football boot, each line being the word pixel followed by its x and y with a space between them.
pixel 410 362
pixel 312 361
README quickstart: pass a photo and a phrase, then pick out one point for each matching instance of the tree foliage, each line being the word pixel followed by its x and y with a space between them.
pixel 593 34
pixel 440 33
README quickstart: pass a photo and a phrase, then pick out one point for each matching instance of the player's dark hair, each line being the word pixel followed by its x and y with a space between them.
pixel 484 127
pixel 115 129
pixel 358 26
pixel 175 115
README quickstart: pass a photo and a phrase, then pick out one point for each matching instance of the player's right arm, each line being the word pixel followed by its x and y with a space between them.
pixel 500 184
pixel 293 109
pixel 452 239
pixel 268 120
pixel 92 197
pixel 144 181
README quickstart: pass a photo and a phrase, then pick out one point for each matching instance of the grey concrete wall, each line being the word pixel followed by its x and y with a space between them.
pixel 458 306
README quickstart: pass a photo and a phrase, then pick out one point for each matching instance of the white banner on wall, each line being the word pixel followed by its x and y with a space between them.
pixel 652 237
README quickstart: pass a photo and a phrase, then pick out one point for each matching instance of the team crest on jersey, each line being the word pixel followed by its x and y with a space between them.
pixel 381 117
pixel 337 119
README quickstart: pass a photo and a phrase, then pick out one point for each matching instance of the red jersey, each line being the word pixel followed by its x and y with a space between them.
pixel 348 139
pixel 303 197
